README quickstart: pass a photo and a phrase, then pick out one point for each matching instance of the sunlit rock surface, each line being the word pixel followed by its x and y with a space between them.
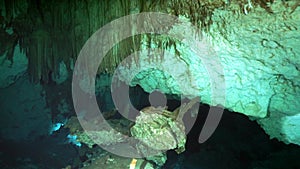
pixel 260 56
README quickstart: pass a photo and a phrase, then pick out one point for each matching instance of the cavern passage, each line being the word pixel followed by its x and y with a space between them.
pixel 243 55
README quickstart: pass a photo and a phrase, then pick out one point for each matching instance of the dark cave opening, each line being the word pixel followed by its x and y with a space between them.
pixel 238 142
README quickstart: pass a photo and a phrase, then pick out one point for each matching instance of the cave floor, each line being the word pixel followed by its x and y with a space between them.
pixel 237 143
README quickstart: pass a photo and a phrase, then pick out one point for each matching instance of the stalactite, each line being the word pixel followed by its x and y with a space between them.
pixel 67 25
pixel 38 52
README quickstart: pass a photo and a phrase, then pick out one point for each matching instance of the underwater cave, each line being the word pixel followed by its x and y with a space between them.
pixel 191 84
